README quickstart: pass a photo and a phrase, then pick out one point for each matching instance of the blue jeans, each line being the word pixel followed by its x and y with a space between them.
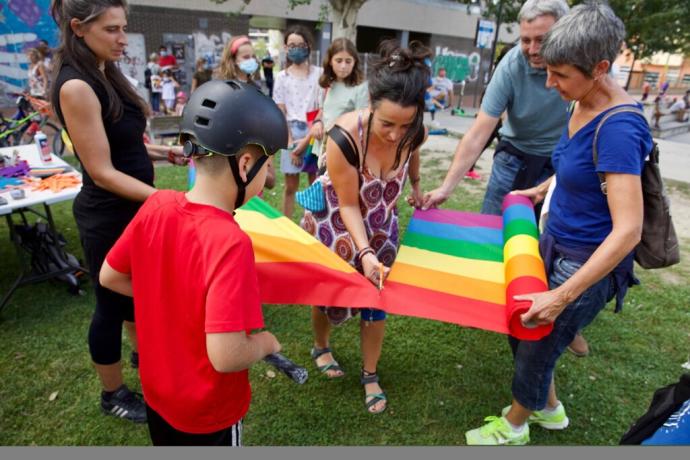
pixel 155 102
pixel 503 173
pixel 536 360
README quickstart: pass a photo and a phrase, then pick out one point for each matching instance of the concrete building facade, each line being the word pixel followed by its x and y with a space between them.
pixel 446 26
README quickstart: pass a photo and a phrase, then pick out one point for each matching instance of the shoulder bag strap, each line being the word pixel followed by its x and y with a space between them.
pixel 595 154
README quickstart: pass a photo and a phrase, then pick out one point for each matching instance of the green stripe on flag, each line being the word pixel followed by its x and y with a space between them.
pixel 256 204
pixel 520 227
pixel 457 248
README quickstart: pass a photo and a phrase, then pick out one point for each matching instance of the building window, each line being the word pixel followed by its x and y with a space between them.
pixel 652 78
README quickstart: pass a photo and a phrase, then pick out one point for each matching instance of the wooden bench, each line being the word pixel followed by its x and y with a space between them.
pixel 164 129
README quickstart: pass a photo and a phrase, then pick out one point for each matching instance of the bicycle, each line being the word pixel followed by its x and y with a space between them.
pixel 33 114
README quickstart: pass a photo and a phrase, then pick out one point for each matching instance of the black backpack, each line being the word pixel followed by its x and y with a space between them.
pixel 658 247
pixel 665 402
pixel 48 254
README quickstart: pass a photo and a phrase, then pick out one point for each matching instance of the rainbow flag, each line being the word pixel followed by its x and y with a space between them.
pixel 295 268
pixel 452 266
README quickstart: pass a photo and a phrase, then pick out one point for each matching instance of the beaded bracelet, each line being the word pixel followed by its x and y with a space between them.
pixel 364 252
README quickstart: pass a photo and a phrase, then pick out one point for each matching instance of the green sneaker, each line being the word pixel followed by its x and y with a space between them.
pixel 497 432
pixel 556 420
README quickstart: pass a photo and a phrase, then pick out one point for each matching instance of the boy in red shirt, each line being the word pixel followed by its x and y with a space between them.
pixel 190 269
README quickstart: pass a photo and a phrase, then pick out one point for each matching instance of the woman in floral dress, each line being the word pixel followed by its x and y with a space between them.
pixel 369 154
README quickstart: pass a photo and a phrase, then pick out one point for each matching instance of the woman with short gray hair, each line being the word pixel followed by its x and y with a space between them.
pixel 590 236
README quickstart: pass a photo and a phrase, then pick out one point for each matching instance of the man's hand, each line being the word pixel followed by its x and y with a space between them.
pixel 434 198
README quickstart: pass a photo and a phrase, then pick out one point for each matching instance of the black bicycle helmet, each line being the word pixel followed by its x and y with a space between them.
pixel 222 117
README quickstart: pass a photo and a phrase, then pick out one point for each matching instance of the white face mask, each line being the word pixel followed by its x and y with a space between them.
pixel 248 66
pixel 163 53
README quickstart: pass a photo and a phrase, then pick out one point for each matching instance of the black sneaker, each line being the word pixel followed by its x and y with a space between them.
pixel 125 404
pixel 134 360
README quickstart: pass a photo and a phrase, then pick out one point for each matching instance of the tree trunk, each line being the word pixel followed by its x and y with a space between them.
pixel 344 15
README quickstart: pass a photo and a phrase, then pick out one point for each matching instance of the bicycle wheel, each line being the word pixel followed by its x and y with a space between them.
pixel 54 133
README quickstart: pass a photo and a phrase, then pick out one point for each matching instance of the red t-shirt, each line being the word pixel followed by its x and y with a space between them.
pixel 167 61
pixel 193 273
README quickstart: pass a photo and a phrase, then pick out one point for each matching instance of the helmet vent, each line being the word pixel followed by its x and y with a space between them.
pixel 202 121
pixel 209 103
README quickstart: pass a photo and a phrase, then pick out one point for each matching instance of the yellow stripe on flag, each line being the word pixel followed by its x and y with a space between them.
pixel 282 227
pixel 520 244
pixel 469 268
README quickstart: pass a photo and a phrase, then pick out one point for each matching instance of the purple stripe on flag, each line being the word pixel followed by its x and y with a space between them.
pixel 511 199
pixel 464 219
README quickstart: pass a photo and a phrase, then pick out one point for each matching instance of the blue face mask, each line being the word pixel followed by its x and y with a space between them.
pixel 298 55
pixel 249 66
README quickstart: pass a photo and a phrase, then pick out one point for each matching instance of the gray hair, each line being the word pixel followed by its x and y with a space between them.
pixel 532 9
pixel 591 33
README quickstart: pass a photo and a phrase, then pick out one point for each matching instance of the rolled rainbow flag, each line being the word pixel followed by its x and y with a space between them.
pixel 524 267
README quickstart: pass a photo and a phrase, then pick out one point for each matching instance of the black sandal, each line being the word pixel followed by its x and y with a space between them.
pixel 365 379
pixel 332 366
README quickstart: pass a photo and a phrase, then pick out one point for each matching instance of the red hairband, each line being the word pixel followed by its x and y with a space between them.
pixel 241 40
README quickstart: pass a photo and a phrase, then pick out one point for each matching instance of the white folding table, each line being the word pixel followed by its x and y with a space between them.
pixel 20 207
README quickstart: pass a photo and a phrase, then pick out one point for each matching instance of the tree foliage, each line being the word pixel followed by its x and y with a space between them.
pixel 342 12
pixel 651 25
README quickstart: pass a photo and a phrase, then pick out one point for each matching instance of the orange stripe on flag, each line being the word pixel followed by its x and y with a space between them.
pixel 524 265
pixel 274 249
pixel 473 288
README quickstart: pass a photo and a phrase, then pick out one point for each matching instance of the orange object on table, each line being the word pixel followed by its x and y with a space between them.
pixel 57 183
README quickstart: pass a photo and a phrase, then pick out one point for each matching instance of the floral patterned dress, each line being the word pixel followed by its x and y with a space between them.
pixel 378 204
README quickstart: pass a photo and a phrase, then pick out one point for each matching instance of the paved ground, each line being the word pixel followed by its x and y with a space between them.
pixel 675 152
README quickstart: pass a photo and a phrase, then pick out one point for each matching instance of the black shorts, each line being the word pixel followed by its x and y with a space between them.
pixel 163 434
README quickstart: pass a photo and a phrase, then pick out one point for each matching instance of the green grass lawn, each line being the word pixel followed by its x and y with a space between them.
pixel 441 379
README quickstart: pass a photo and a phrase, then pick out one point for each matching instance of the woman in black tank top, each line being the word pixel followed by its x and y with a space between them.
pixel 105 119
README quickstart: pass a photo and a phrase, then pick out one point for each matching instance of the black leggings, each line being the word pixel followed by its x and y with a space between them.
pixel 105 332
pixel 163 434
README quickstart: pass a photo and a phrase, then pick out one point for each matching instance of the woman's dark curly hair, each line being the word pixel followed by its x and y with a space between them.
pixel 402 75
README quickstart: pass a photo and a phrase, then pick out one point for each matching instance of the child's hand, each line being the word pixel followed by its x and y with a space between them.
pixel 269 342
pixel 316 130
pixel 296 158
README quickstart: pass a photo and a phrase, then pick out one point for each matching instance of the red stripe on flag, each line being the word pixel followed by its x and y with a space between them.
pixel 314 284
pixel 403 299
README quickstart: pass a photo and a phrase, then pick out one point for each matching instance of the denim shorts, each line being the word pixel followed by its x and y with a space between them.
pixel 535 360
pixel 298 130
pixel 503 172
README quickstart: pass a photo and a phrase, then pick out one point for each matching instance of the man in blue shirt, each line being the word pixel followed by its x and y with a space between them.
pixel 536 116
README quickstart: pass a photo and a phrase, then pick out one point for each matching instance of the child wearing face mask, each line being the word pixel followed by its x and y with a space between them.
pixel 169 87
pixel 297 93
pixel 238 61
pixel 166 60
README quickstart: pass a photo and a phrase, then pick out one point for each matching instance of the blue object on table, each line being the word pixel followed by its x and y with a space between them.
pixel 9 182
